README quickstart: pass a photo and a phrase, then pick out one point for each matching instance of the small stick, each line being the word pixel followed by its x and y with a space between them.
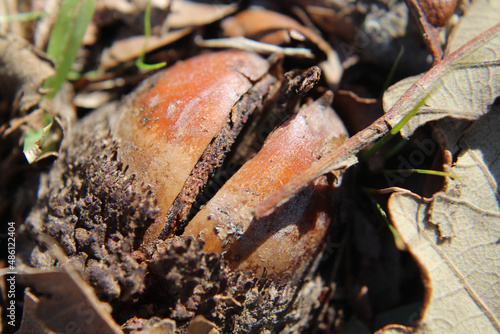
pixel 345 155
pixel 246 44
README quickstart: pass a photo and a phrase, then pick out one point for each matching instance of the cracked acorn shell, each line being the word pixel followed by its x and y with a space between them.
pixel 283 244
pixel 176 129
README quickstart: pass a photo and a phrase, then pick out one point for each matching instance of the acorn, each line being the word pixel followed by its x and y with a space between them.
pixel 178 127
pixel 153 198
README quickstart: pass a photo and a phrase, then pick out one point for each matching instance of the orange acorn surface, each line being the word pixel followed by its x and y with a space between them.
pixel 177 128
pixel 282 244
pixel 170 121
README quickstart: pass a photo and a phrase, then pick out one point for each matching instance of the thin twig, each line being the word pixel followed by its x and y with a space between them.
pixel 242 43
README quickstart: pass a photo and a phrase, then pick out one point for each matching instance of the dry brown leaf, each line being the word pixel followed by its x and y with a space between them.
pixel 22 72
pixel 183 17
pixel 481 15
pixel 273 28
pixel 68 306
pixel 454 237
pixel 130 48
pixel 200 325
pixel 31 324
pixel 184 14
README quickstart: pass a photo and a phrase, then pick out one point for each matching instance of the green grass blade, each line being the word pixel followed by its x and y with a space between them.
pixel 394 131
pixel 392 72
pixel 422 171
pixel 22 17
pixel 66 38
pixel 34 140
pixel 147 33
pixel 397 239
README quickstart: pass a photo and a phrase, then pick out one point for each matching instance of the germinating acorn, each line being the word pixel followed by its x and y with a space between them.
pixel 178 127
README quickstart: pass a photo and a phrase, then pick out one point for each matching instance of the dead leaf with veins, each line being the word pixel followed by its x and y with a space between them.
pixel 454 237
pixel 467 86
pixel 481 15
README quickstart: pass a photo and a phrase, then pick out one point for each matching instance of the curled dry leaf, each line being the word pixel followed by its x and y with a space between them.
pixel 454 236
pixel 182 19
pixel 438 12
pixel 22 70
pixel 127 49
pixel 274 28
pixel 430 16
pixel 185 14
